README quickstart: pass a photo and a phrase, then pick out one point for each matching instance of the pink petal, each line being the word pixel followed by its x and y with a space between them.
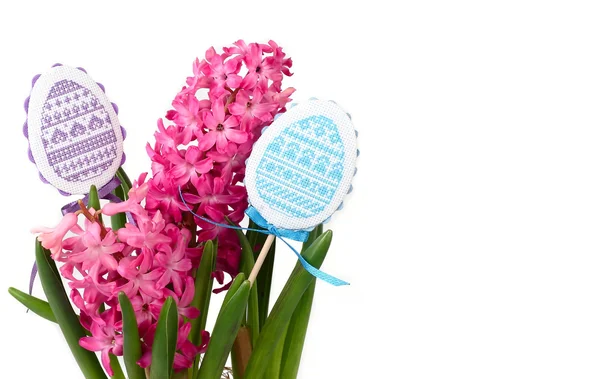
pixel 106 362
pixel 232 65
pixel 91 344
pixel 222 141
pixel 209 120
pixel 109 262
pixel 236 136
pixel 190 312
pixel 249 82
pixel 204 166
pixel 237 109
pixel 183 265
pixel 192 154
pixel 146 359
pixel 188 294
pixel 234 81
pixel 207 141
pixel 218 111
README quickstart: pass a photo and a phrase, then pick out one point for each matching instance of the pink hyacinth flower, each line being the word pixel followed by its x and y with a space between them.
pixel 189 166
pixel 222 129
pixel 173 264
pixel 97 250
pixel 138 270
pixel 148 233
pixel 224 72
pixel 168 201
pixel 254 108
pixel 52 238
pixel 105 339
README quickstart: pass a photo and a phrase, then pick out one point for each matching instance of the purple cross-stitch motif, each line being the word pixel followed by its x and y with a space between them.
pixel 75 131
pixel 78 137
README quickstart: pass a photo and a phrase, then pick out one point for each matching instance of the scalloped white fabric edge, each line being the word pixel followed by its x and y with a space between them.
pixel 299 112
pixel 38 97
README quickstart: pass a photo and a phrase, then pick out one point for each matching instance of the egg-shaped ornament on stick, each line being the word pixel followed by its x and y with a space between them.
pixel 298 173
pixel 75 137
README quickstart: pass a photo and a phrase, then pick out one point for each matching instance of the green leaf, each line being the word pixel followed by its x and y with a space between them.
pixel 37 306
pixel 263 285
pixel 65 317
pixel 203 289
pixel 247 257
pixel 235 284
pixel 274 365
pixel 94 200
pixel 125 182
pixel 246 264
pixel 284 307
pixel 224 332
pixel 296 332
pixel 165 341
pixel 180 375
pixel 119 220
pixel 312 236
pixel 202 294
pixel 132 347
pixel 116 366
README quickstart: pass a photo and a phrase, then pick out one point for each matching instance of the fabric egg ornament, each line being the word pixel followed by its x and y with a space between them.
pixel 75 138
pixel 301 168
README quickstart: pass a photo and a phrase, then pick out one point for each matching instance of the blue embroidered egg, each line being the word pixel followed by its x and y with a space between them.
pixel 302 166
pixel 75 138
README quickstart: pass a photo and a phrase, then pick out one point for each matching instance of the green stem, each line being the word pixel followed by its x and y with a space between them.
pixel 125 181
pixel 94 201
pixel 225 330
pixel 65 316
pixel 132 348
pixel 202 295
pixel 116 366
pixel 274 365
pixel 119 220
pixel 246 264
pixel 165 341
pixel 263 285
pixel 294 339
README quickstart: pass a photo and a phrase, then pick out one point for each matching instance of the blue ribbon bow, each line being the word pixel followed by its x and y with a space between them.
pixel 297 235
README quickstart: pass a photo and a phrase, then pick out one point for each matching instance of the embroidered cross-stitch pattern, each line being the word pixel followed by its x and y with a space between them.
pixel 302 166
pixel 74 135
pixel 76 132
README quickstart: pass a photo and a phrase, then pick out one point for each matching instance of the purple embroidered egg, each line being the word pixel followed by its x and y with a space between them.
pixel 74 134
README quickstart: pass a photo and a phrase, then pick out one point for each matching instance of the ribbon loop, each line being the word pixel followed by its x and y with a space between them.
pixel 300 235
pixel 296 235
pixel 103 193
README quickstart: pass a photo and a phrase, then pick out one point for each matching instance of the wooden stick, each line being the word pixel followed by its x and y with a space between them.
pixel 261 258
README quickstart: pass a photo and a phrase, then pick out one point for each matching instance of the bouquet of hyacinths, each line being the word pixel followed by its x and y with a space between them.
pixel 140 267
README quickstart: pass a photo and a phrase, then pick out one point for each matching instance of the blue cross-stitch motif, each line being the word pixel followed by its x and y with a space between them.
pixel 302 167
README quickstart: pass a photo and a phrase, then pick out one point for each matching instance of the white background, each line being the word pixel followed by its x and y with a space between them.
pixel 472 237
